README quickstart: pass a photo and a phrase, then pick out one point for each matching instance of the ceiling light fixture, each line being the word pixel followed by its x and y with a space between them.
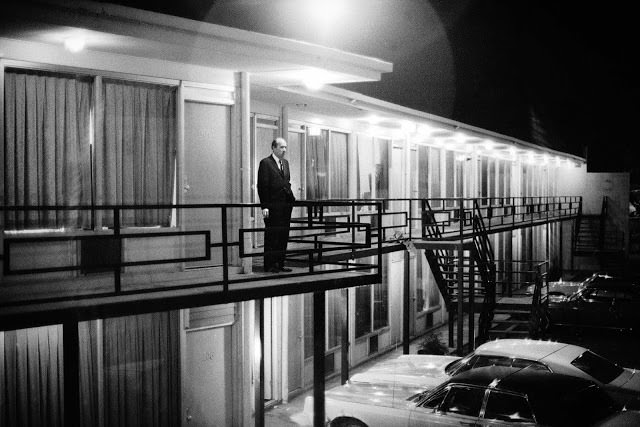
pixel 74 44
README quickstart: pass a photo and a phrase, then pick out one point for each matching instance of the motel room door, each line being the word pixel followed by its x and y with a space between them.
pixel 207 129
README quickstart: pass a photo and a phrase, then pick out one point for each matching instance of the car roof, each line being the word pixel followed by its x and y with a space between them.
pixel 521 380
pixel 526 348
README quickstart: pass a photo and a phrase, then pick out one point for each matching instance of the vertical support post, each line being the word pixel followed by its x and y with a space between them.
pixel 406 304
pixel 259 362
pixel 460 324
pixel 225 251
pixel 319 337
pixel 560 249
pixel 71 352
pixel 472 297
pixel 117 271
pixel 344 353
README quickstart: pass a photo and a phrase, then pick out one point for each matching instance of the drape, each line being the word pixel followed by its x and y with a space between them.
pixel 423 172
pixel 338 166
pixel 365 166
pixel 32 376
pixel 317 167
pixel 47 135
pixel 135 142
pixel 141 370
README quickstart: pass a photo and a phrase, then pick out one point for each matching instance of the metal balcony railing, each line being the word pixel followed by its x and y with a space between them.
pixel 200 247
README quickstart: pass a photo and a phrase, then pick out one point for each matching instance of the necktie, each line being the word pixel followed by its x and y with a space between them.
pixel 281 167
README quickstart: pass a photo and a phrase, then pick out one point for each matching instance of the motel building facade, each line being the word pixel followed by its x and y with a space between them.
pixel 132 286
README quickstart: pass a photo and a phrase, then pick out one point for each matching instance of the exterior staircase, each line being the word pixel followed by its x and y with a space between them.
pixel 465 272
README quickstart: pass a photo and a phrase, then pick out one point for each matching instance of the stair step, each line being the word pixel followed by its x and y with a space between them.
pixel 510 321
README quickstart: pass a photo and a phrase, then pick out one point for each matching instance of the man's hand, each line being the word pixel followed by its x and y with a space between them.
pixel 265 213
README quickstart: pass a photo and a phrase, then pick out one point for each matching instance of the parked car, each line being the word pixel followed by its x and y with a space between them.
pixel 600 304
pixel 495 396
pixel 559 290
pixel 427 371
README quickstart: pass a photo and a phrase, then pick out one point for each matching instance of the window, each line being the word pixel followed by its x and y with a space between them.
pixel 464 401
pixel 435 399
pixel 47 137
pixel 326 165
pixel 373 167
pixel 598 367
pixel 60 150
pixel 508 407
pixel 363 310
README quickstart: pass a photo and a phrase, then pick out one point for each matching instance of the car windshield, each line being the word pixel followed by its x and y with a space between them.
pixel 598 367
pixel 452 367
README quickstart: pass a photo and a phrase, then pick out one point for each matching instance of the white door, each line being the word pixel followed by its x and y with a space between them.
pixel 206 174
pixel 294 352
pixel 208 391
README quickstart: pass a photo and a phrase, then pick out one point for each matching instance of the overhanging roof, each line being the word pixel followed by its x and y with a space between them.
pixel 272 61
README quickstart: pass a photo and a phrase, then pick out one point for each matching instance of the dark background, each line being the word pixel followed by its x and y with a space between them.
pixel 560 74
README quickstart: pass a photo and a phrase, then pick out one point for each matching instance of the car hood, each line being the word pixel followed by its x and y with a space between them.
pixel 425 371
pixel 374 394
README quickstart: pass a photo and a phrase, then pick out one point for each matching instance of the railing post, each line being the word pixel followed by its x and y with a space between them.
pixel 406 304
pixel 225 250
pixel 258 329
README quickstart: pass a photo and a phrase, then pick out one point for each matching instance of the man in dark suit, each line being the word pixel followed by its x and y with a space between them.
pixel 276 201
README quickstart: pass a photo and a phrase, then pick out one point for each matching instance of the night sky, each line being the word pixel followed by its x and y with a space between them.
pixel 560 74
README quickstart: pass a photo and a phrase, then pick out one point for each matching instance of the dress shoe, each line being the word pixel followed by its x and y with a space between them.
pixel 285 269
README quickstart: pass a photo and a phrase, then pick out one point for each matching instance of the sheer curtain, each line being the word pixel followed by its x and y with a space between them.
pixel 339 168
pixel 135 142
pixel 47 135
pixel 317 166
pixel 31 368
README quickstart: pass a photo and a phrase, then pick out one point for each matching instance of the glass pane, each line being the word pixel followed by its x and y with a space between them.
pixel 464 401
pixel 317 166
pixel 339 167
pixel 507 407
pixel 380 305
pixel 363 310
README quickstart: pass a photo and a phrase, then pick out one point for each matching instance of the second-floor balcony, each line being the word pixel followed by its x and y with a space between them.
pixel 90 260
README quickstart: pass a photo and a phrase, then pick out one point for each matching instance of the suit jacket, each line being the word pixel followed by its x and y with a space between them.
pixel 273 185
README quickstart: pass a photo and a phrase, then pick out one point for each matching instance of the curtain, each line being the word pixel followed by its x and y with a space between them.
pixel 365 166
pixel 141 360
pixel 135 146
pixel 381 153
pixel 338 168
pixel 317 165
pixel 423 172
pixel 47 135
pixel 31 369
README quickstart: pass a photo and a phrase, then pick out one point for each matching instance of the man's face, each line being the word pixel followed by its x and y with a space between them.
pixel 280 149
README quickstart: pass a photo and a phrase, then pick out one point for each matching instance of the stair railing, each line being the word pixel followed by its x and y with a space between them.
pixel 486 265
pixel 539 318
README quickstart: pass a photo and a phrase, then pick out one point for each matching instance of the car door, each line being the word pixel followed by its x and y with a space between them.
pixel 460 406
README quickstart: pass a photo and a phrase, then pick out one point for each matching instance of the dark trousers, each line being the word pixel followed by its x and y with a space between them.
pixel 276 235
